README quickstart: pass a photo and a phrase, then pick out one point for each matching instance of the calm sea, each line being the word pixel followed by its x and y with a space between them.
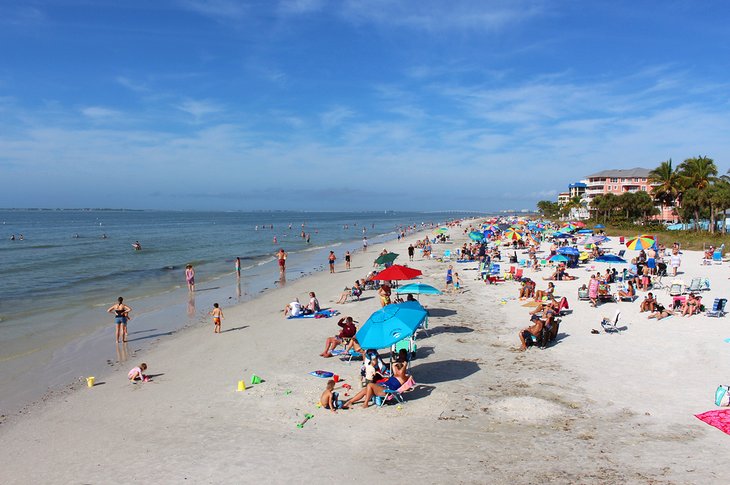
pixel 57 282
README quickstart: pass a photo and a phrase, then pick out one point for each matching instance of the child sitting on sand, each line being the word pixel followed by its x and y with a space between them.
pixel 217 314
pixel 136 373
pixel 329 398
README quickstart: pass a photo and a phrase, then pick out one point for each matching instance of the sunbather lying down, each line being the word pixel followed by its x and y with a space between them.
pixel 396 382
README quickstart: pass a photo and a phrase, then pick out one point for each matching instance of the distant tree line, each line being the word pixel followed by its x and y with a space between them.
pixel 692 189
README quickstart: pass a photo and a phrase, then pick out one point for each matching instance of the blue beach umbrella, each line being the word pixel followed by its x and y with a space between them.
pixel 569 251
pixel 418 289
pixel 559 258
pixel 390 324
pixel 585 231
pixel 476 236
pixel 599 226
pixel 561 235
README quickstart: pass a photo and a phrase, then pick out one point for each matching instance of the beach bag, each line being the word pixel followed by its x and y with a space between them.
pixel 722 396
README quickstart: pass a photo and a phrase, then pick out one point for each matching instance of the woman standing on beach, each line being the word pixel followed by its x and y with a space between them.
pixel 347 259
pixel 190 277
pixel 121 316
pixel 332 259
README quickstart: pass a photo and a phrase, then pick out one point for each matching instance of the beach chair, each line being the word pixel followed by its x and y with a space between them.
pixel 518 274
pixel 695 285
pixel 408 343
pixel 705 285
pixel 397 394
pixel 583 294
pixel 717 257
pixel 611 325
pixel 676 288
pixel 494 269
pixel 621 253
pixel 718 308
pixel 447 255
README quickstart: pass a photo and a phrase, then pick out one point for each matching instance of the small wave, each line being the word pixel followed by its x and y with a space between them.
pixel 20 247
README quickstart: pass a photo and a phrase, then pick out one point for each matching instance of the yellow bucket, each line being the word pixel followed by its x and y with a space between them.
pixel 241 386
pixel 90 381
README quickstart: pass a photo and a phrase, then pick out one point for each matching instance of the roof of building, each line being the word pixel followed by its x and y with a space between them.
pixel 622 173
pixel 577 185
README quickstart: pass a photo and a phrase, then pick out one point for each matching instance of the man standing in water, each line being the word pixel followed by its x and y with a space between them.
pixel 121 316
pixel 281 256
pixel 364 244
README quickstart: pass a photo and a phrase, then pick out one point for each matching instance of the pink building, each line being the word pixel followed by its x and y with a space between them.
pixel 623 180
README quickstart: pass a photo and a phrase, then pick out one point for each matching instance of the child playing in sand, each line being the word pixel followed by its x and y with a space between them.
pixel 329 398
pixel 217 316
pixel 136 373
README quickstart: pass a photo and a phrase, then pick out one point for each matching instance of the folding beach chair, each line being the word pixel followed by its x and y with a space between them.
pixel 518 274
pixel 396 394
pixel 611 326
pixel 676 288
pixel 718 308
pixel 705 285
pixel 621 253
pixel 717 257
pixel 695 285
pixel 447 255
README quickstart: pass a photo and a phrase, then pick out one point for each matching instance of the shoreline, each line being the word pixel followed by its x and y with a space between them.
pixel 160 316
pixel 596 409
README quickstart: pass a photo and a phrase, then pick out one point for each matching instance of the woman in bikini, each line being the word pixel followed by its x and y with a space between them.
pixel 121 317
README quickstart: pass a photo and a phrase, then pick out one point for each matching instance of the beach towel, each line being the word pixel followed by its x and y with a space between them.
pixel 321 373
pixel 719 418
pixel 324 313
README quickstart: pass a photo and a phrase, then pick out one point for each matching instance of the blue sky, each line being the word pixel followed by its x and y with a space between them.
pixel 349 105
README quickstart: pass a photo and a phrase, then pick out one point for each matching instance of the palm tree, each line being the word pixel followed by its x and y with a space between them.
pixel 666 184
pixel 698 173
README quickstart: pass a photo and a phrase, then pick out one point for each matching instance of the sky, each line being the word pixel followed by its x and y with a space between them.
pixel 350 104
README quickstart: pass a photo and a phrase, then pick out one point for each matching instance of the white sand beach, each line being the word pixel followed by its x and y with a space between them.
pixel 591 408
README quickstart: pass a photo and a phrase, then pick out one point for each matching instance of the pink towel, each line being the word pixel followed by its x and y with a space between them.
pixel 409 384
pixel 719 418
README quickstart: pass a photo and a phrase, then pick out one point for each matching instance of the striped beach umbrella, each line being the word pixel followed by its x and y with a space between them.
pixel 640 242
pixel 512 235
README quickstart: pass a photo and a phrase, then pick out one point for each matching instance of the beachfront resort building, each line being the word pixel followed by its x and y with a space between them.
pixel 619 181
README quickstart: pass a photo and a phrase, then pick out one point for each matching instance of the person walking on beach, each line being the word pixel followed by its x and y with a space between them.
pixel 364 244
pixel 217 315
pixel 190 277
pixel 411 251
pixel 281 256
pixel 450 279
pixel 347 259
pixel 332 259
pixel 238 267
pixel 121 317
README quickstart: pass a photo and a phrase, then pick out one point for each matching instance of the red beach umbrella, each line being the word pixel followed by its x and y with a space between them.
pixel 397 272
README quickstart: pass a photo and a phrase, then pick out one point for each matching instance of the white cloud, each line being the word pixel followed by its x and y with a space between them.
pixel 336 116
pixel 435 15
pixel 99 112
pixel 220 10
pixel 199 108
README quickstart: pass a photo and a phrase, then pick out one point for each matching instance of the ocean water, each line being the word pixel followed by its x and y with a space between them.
pixel 56 283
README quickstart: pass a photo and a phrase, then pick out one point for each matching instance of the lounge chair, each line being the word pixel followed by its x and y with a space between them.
pixel 718 308
pixel 396 394
pixel 611 326
pixel 408 343
pixel 583 294
pixel 676 288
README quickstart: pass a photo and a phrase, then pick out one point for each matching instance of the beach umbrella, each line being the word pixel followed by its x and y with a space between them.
pixel 559 258
pixel 585 231
pixel 579 224
pixel 569 251
pixel 386 258
pixel 390 324
pixel 640 242
pixel 599 226
pixel 397 272
pixel 503 226
pixel 418 289
pixel 441 230
pixel 562 235
pixel 610 258
pixel 476 236
pixel 593 240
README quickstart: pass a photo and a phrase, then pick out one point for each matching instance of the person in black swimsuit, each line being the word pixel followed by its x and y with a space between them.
pixel 121 317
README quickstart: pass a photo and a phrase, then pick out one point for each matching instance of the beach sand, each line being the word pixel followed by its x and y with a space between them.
pixel 588 409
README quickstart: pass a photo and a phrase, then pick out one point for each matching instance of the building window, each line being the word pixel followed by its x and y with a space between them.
pixel 643 188
pixel 614 180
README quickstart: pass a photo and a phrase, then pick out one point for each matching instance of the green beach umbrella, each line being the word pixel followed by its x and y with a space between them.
pixel 386 258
